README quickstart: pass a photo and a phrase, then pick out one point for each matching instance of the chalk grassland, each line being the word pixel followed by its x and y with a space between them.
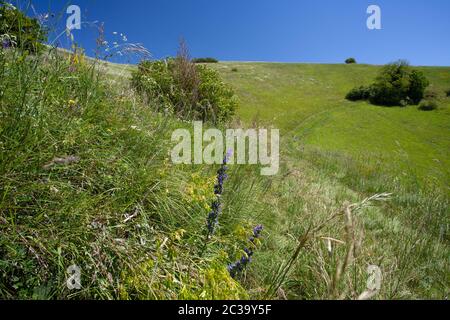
pixel 307 102
pixel 334 151
pixel 86 180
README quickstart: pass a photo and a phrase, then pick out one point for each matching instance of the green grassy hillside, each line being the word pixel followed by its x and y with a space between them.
pixel 334 151
pixel 85 179
pixel 307 102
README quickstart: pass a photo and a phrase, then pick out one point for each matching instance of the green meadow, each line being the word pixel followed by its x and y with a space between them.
pixel 334 151
pixel 93 205
pixel 307 102
pixel 86 179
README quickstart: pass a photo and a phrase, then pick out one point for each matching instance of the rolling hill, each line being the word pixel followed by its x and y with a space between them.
pixel 307 102
pixel 85 179
pixel 334 151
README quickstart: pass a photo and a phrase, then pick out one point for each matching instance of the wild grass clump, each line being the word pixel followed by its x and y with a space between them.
pixel 332 279
pixel 410 230
pixel 428 105
pixel 432 94
pixel 187 90
pixel 85 180
pixel 70 180
pixel 18 30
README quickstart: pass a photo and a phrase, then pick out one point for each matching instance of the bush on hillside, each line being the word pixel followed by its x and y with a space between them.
pixel 447 93
pixel 359 93
pixel 350 61
pixel 189 91
pixel 417 86
pixel 18 30
pixel 205 60
pixel 428 105
pixel 397 84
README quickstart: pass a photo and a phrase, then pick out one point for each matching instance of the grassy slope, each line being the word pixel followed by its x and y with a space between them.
pixel 307 101
pixel 335 151
pixel 148 256
pixel 133 222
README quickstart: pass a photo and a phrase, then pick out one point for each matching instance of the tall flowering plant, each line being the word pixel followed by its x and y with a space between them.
pixel 216 206
pixel 237 267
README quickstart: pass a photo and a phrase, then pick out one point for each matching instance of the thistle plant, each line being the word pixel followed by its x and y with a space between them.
pixel 237 267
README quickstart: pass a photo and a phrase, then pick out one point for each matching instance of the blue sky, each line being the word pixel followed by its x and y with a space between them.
pixel 320 31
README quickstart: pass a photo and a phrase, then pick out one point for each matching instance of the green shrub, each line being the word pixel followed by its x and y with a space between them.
pixel 428 105
pixel 397 84
pixel 392 85
pixel 234 70
pixel 359 93
pixel 217 100
pixel 447 93
pixel 199 94
pixel 350 61
pixel 417 85
pixel 205 60
pixel 16 29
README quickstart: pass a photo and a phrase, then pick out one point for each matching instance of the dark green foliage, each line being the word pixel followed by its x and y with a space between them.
pixel 350 61
pixel 189 91
pixel 447 93
pixel 359 93
pixel 396 85
pixel 391 85
pixel 234 70
pixel 18 30
pixel 417 85
pixel 205 60
pixel 428 105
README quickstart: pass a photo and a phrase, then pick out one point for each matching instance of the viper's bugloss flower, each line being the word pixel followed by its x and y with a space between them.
pixel 6 43
pixel 222 175
pixel 216 206
pixel 235 268
pixel 213 216
pixel 256 233
pixel 257 230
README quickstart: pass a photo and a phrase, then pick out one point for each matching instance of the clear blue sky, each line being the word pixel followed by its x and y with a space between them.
pixel 320 31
